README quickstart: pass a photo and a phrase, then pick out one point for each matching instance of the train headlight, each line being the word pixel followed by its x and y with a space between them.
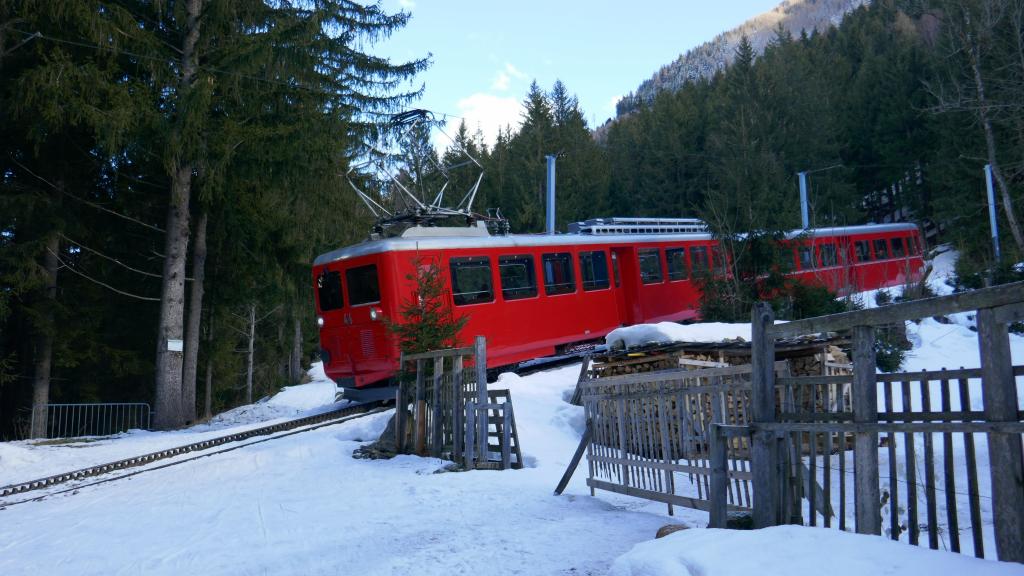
pixel 374 314
pixel 320 321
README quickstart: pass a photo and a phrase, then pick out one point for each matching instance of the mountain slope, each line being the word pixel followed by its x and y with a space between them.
pixel 795 16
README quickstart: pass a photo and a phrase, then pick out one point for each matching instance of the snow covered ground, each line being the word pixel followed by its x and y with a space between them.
pixel 303 505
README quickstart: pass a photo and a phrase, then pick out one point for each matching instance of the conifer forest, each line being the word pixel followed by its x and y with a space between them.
pixel 169 170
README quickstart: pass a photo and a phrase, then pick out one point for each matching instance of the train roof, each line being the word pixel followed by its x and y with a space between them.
pixel 417 238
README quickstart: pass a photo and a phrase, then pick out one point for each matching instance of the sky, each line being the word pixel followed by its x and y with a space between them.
pixel 485 53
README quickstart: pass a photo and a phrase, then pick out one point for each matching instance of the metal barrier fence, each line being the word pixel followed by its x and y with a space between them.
pixel 74 420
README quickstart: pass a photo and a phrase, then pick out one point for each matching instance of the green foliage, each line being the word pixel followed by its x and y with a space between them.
pixel 427 319
pixel 891 346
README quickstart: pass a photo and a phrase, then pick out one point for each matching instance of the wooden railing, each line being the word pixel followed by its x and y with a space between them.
pixel 924 412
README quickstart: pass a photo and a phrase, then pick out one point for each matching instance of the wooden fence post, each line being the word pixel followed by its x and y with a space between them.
pixel 458 411
pixel 999 396
pixel 470 454
pixel 420 414
pixel 719 463
pixel 865 411
pixel 763 457
pixel 480 352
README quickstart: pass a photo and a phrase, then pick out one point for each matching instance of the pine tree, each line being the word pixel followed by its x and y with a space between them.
pixel 427 319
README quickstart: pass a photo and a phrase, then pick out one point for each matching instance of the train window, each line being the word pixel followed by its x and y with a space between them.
pixel 471 280
pixel 828 255
pixel 718 260
pixel 517 277
pixel 362 285
pixel 650 265
pixel 863 251
pixel 558 277
pixel 699 259
pixel 881 249
pixel 897 248
pixel 677 264
pixel 615 268
pixel 806 257
pixel 594 270
pixel 328 289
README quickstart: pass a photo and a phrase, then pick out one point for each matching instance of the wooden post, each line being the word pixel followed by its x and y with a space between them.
pixel 867 497
pixel 470 454
pixel 437 417
pixel 458 411
pixel 420 414
pixel 480 352
pixel 584 442
pixel 399 420
pixel 506 436
pixel 719 464
pixel 763 458
pixel 999 398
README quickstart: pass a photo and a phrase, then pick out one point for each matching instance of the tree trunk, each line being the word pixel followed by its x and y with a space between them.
pixel 172 296
pixel 295 365
pixel 44 340
pixel 974 53
pixel 249 359
pixel 195 313
pixel 208 392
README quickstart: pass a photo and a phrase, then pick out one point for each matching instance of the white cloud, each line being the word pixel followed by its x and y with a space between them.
pixel 489 113
pixel 407 5
pixel 505 76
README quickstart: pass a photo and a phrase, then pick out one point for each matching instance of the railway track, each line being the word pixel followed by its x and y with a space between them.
pixel 273 432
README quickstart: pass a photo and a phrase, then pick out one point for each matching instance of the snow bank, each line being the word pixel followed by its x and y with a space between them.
pixel 793 551
pixel 662 332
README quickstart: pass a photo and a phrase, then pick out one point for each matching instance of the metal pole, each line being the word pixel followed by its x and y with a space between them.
pixel 551 195
pixel 804 220
pixel 992 211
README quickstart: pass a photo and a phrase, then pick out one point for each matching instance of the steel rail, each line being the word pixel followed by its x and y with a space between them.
pixel 324 419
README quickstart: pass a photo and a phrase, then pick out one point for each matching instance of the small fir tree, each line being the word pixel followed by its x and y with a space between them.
pixel 427 319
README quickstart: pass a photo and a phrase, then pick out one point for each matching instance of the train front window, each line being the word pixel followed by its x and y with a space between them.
pixel 362 285
pixel 863 251
pixel 471 280
pixel 676 263
pixel 328 289
pixel 517 277
pixel 650 265
pixel 594 270
pixel 897 248
pixel 881 249
pixel 828 255
pixel 558 276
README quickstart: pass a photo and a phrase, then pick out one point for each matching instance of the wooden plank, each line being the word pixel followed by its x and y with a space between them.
pixel 458 410
pixel 480 357
pixel 666 444
pixel 1008 314
pixel 685 501
pixel 948 473
pixel 894 485
pixel 506 437
pixel 667 375
pixel 763 444
pixel 420 411
pixel 471 444
pixel 929 473
pixel 578 391
pixel 938 306
pixel 865 410
pixel 973 495
pixel 437 420
pixel 999 397
pixel 911 468
pixel 883 427
pixel 584 444
pixel 400 423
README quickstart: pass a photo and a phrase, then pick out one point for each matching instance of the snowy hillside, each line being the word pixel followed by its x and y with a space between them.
pixel 303 505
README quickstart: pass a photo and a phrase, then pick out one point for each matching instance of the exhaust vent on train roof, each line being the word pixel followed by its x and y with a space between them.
pixel 605 226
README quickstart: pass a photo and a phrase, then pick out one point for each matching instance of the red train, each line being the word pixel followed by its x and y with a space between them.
pixel 533 295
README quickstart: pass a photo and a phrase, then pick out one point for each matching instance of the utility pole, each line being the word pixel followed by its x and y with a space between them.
pixel 550 228
pixel 804 220
pixel 992 211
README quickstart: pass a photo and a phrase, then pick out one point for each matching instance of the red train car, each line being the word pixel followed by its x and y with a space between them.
pixel 532 295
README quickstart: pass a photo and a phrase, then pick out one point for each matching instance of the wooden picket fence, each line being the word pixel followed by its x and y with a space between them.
pixel 808 449
pixel 446 411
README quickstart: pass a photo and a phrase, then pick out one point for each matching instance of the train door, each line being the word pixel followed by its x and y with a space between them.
pixel 627 276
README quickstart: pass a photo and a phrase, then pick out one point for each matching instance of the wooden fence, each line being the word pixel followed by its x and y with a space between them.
pixel 448 412
pixel 928 432
pixel 651 435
